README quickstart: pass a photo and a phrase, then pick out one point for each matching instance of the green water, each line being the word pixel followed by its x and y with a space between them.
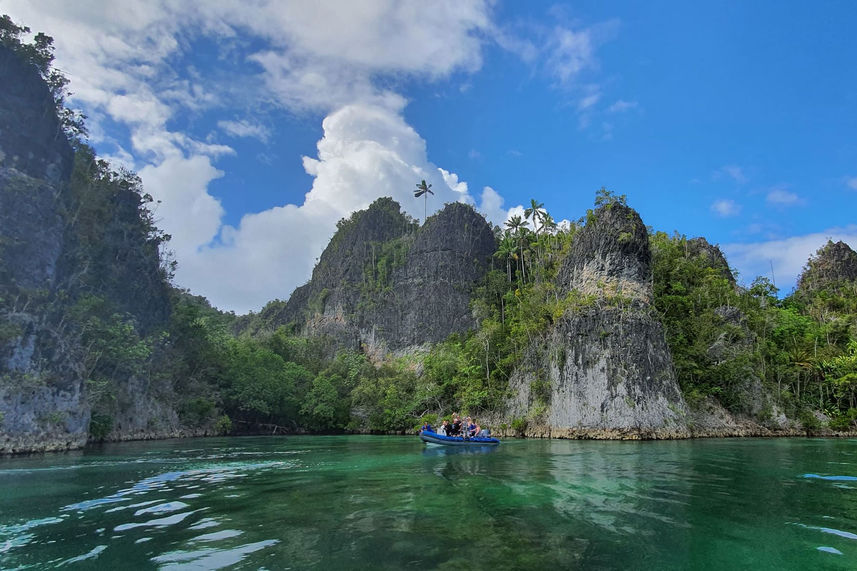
pixel 389 503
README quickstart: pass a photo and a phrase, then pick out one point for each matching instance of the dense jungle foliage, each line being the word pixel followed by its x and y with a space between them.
pixel 133 325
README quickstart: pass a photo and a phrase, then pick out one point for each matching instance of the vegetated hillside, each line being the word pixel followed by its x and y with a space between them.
pixel 599 328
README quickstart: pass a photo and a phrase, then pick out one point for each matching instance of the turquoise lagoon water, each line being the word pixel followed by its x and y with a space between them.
pixel 383 502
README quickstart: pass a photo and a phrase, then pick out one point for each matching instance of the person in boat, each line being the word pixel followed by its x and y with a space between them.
pixel 469 427
pixel 477 430
pixel 456 426
pixel 443 430
pixel 426 427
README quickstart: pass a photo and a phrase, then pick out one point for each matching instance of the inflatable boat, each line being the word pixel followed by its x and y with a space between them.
pixel 434 438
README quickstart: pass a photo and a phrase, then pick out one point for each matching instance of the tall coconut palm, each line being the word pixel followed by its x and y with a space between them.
pixel 505 251
pixel 518 227
pixel 536 212
pixel 423 189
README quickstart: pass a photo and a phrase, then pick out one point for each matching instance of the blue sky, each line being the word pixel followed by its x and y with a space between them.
pixel 258 125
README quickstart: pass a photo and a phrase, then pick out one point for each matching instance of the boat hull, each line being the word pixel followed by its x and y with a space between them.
pixel 433 438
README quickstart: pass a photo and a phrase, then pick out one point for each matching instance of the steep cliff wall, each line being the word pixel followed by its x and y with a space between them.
pixel 385 284
pixel 604 369
pixel 428 296
pixel 42 404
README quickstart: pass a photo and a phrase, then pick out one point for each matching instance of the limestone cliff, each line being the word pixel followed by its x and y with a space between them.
pixel 80 276
pixel 42 404
pixel 383 283
pixel 604 369
pixel 833 264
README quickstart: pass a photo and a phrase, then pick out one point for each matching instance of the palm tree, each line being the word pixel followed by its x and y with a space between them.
pixel 505 251
pixel 423 189
pixel 549 225
pixel 517 227
pixel 536 212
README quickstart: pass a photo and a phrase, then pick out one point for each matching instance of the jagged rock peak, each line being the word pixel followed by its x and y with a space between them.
pixel 343 257
pixel 457 227
pixel 31 136
pixel 610 256
pixel 710 255
pixel 833 262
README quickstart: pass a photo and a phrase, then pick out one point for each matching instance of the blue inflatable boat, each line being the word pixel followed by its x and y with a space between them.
pixel 434 438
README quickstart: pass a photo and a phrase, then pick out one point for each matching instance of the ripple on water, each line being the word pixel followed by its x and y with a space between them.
pixel 162 508
pixel 92 554
pixel 160 522
pixel 830 530
pixel 19 534
pixel 832 478
pixel 830 550
pixel 159 482
pixel 205 523
pixel 210 558
pixel 218 535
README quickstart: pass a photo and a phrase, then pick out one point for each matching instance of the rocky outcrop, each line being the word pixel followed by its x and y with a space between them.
pixel 42 402
pixel 711 256
pixel 604 369
pixel 428 296
pixel 832 264
pixel 384 284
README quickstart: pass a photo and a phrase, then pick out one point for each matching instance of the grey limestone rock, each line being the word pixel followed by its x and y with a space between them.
pixel 604 369
pixel 42 402
pixel 385 284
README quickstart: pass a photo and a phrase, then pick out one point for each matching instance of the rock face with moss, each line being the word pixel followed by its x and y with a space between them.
pixel 81 285
pixel 383 283
pixel 604 369
pixel 833 265
pixel 42 404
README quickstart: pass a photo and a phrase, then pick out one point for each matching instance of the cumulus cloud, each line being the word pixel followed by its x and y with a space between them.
pixel 787 256
pixel 725 208
pixel 245 128
pixel 621 106
pixel 185 210
pixel 780 197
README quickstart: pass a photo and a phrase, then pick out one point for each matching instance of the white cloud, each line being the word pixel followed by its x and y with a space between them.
pixel 245 128
pixel 571 52
pixel 782 197
pixel 186 211
pixel 725 208
pixel 588 101
pixel 621 106
pixel 851 183
pixel 787 256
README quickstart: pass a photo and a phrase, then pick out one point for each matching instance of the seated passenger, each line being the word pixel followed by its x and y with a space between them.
pixel 477 430
pixel 486 433
pixel 444 428
pixel 469 428
pixel 426 428
pixel 456 427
